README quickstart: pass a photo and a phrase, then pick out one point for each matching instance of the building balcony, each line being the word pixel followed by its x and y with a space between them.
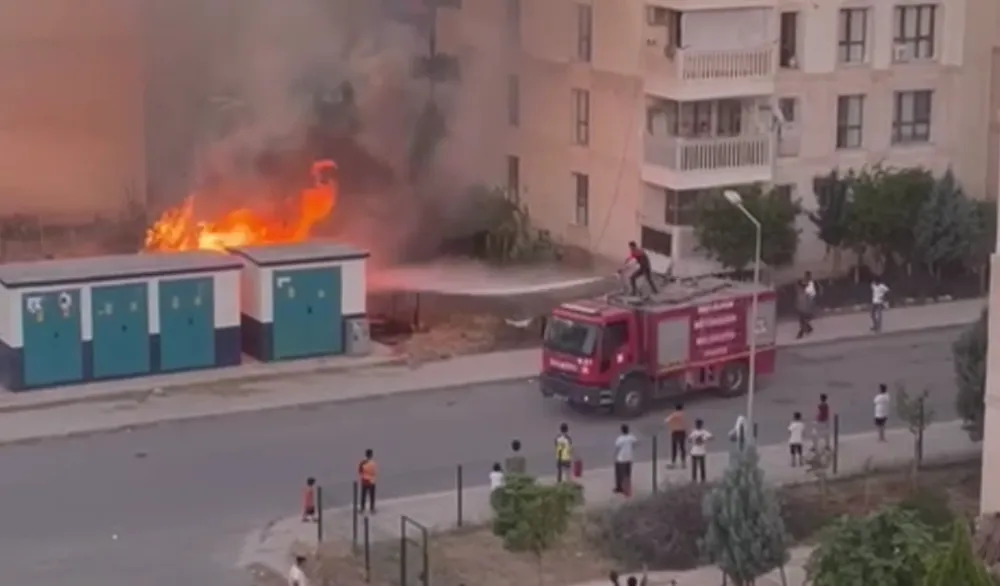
pixel 697 163
pixel 691 74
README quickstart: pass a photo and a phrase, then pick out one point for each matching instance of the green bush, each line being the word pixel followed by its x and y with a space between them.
pixel 930 506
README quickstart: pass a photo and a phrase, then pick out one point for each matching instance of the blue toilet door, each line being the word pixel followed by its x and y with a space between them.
pixel 121 330
pixel 52 352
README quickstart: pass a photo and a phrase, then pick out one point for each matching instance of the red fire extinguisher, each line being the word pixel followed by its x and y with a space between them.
pixel 577 468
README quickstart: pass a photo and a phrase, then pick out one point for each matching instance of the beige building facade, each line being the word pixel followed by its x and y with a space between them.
pixel 72 141
pixel 620 114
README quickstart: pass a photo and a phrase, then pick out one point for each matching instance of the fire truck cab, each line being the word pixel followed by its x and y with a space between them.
pixel 624 353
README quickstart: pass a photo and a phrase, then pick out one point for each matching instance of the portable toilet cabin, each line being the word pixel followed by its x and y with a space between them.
pixel 303 300
pixel 110 317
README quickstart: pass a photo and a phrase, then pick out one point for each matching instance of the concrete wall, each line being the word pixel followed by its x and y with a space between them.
pixel 71 106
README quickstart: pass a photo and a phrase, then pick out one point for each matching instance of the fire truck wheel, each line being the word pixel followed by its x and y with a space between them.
pixel 734 379
pixel 630 400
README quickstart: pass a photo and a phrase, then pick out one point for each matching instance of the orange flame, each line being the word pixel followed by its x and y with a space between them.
pixel 178 229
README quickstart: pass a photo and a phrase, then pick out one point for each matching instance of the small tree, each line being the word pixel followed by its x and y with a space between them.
pixel 834 196
pixel 956 563
pixel 726 235
pixel 969 358
pixel 532 517
pixel 918 414
pixel 947 228
pixel 887 548
pixel 746 535
pixel 819 462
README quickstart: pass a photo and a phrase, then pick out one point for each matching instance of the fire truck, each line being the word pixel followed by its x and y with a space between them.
pixel 624 353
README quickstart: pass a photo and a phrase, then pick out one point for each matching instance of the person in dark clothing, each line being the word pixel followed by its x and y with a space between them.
pixel 643 268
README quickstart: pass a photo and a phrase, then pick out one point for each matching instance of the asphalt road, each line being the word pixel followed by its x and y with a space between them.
pixel 181 497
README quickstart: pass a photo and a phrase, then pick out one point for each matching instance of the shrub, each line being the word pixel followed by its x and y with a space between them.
pixel 930 506
pixel 661 530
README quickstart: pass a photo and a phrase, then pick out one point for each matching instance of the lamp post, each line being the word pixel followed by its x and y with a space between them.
pixel 736 200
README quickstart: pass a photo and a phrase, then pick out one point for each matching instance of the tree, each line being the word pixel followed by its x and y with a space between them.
pixel 956 563
pixel 746 536
pixel 532 517
pixel 886 205
pixel 834 196
pixel 917 414
pixel 887 548
pixel 726 235
pixel 947 228
pixel 969 359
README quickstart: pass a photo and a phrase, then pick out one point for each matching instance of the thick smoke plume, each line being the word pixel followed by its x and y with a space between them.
pixel 234 80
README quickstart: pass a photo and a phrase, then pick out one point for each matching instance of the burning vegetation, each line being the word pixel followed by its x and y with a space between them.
pixel 180 228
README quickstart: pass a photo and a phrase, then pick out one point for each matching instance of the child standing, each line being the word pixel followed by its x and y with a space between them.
pixel 882 402
pixel 496 477
pixel 309 501
pixel 699 449
pixel 796 431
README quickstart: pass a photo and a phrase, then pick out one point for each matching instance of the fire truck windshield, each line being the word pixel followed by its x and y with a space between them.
pixel 571 337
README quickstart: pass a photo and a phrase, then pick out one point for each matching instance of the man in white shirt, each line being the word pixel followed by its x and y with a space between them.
pixel 805 301
pixel 624 454
pixel 879 292
pixel 882 403
pixel 796 433
pixel 297 575
pixel 699 439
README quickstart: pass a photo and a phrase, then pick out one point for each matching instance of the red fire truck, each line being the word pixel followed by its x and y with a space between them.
pixel 623 353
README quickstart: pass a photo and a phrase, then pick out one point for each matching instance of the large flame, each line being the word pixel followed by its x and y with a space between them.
pixel 178 229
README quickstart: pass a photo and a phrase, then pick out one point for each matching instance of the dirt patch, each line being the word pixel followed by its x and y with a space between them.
pixel 474 556
pixel 467 334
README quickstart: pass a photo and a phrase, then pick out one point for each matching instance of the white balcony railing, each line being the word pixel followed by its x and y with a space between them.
pixel 708 154
pixel 711 64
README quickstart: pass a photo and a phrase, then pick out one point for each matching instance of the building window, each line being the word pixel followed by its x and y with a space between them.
pixel 513 177
pixel 852 45
pixel 911 118
pixel 850 121
pixel 729 115
pixel 783 192
pixel 581 117
pixel 584 32
pixel 581 184
pixel 514 20
pixel 654 240
pixel 513 100
pixel 680 207
pixel 788 43
pixel 914 36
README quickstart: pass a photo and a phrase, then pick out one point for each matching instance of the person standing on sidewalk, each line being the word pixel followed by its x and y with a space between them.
pixel 624 454
pixel 879 303
pixel 515 462
pixel 367 476
pixel 805 302
pixel 796 432
pixel 309 501
pixel 822 431
pixel 564 454
pixel 882 403
pixel 677 426
pixel 699 450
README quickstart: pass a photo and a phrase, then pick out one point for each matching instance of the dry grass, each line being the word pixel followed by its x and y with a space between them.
pixel 474 556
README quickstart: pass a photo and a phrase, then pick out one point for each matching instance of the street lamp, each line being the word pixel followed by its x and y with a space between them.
pixel 736 200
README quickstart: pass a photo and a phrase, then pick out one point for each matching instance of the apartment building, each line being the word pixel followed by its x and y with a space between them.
pixel 621 114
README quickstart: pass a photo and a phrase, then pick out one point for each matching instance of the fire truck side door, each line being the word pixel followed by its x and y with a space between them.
pixel 614 339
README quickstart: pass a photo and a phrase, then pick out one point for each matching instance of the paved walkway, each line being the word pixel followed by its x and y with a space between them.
pixel 31 415
pixel 439 511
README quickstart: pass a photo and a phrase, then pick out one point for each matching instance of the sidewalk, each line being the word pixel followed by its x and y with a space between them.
pixel 439 511
pixel 33 415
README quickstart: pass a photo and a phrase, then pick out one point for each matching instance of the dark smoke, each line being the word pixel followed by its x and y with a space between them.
pixel 254 90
